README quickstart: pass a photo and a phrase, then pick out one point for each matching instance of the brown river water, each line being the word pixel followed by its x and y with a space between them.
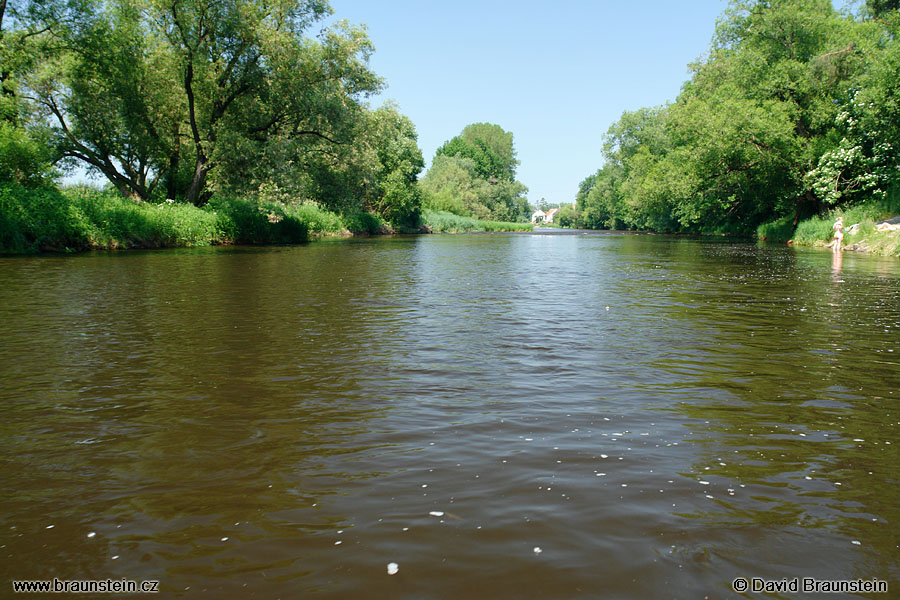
pixel 500 416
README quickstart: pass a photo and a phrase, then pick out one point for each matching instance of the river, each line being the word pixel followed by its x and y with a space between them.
pixel 501 416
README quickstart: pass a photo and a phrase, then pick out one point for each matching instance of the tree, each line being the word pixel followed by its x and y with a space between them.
pixel 880 8
pixel 795 106
pixel 489 147
pixel 25 154
pixel 244 76
pixel 473 174
pixel 398 159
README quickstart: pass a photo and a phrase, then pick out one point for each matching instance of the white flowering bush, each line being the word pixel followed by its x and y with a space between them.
pixel 863 162
pixel 848 168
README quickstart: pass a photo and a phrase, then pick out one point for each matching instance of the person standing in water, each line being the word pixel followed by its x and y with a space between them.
pixel 838 234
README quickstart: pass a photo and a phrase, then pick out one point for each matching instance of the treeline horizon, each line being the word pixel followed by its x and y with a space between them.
pixel 794 111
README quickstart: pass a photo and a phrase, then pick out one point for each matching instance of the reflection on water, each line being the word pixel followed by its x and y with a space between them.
pixel 654 414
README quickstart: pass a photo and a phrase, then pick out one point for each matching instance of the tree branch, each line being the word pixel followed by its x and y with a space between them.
pixel 836 52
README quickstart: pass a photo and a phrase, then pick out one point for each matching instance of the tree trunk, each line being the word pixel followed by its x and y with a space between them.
pixel 174 159
pixel 198 182
pixel 808 199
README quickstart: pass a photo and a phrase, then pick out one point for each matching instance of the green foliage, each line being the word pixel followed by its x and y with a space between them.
pixel 602 205
pixel 446 222
pixel 567 216
pixel 489 147
pixel 451 185
pixel 48 219
pixel 814 229
pixel 365 222
pixel 473 175
pixel 399 161
pixel 183 98
pixel 794 109
pixel 23 158
pixel 780 230
pixel 817 230
pixel 38 219
pixel 271 221
pixel 881 8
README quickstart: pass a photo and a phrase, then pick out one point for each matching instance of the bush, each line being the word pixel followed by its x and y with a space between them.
pixel 446 222
pixel 40 219
pixel 23 158
pixel 249 222
pixel 776 231
pixel 364 222
pixel 47 219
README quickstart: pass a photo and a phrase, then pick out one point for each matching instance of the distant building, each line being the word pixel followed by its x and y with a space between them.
pixel 540 216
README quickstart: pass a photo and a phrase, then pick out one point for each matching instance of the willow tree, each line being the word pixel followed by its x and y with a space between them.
pixel 152 91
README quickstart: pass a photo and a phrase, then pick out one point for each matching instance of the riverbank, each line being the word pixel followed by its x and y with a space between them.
pixel 79 218
pixel 873 227
pixel 447 222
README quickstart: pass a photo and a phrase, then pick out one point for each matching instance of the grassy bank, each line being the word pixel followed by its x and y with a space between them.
pixel 50 219
pixel 447 222
pixel 860 232
pixel 859 228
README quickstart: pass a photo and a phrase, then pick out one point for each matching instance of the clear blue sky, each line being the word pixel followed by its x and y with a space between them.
pixel 556 75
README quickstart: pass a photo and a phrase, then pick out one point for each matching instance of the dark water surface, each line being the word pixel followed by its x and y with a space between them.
pixel 657 416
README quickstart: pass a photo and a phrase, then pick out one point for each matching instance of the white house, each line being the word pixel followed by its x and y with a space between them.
pixel 540 216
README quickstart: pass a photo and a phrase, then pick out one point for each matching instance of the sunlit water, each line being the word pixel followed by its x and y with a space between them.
pixel 502 416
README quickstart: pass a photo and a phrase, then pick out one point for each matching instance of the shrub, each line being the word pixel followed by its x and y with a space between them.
pixel 776 231
pixel 364 222
pixel 47 218
pixel 41 219
pixel 446 222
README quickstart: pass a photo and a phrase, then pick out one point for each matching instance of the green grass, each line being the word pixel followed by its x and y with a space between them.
pixel 246 221
pixel 446 222
pixel 47 219
pixel 52 219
